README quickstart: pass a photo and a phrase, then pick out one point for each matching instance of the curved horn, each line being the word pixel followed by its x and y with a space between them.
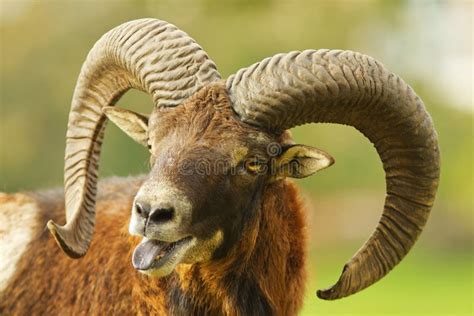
pixel 150 55
pixel 353 89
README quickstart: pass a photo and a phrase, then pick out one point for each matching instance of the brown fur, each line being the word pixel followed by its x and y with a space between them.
pixel 271 254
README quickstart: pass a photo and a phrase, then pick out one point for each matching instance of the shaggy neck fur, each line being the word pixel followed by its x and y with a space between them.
pixel 262 274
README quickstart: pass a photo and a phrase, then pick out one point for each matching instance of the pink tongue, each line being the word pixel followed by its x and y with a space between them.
pixel 146 252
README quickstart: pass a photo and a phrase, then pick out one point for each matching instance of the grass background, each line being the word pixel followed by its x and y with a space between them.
pixel 429 44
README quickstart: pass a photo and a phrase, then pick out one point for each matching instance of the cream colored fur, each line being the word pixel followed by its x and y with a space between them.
pixel 18 223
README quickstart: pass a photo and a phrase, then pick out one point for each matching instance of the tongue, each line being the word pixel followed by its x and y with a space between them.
pixel 146 252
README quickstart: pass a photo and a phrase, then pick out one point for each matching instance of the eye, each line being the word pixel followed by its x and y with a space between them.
pixel 255 166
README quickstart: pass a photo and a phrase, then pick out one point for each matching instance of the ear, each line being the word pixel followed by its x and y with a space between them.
pixel 133 124
pixel 300 161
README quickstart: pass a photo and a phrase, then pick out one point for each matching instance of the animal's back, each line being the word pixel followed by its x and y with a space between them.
pixel 29 257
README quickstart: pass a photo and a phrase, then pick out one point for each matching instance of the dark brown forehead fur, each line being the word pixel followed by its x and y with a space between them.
pixel 207 117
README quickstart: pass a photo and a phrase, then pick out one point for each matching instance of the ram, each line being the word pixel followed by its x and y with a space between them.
pixel 216 226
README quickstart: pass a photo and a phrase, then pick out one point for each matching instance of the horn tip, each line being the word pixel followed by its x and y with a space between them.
pixel 60 236
pixel 328 294
pixel 335 292
pixel 323 294
pixel 332 293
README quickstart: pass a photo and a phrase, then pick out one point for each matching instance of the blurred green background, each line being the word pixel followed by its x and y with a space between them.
pixel 429 44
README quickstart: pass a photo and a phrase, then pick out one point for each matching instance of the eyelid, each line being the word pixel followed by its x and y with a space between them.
pixel 254 164
pixel 256 160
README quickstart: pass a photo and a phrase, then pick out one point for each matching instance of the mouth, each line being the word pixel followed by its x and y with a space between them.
pixel 159 258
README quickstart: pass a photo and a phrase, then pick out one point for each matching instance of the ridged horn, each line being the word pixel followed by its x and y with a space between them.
pixel 147 54
pixel 349 88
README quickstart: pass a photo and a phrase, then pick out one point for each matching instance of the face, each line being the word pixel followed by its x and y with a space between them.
pixel 208 172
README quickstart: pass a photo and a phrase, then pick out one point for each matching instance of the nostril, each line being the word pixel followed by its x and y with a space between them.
pixel 142 209
pixel 162 215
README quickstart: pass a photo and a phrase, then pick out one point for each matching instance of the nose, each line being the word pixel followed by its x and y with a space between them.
pixel 159 214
